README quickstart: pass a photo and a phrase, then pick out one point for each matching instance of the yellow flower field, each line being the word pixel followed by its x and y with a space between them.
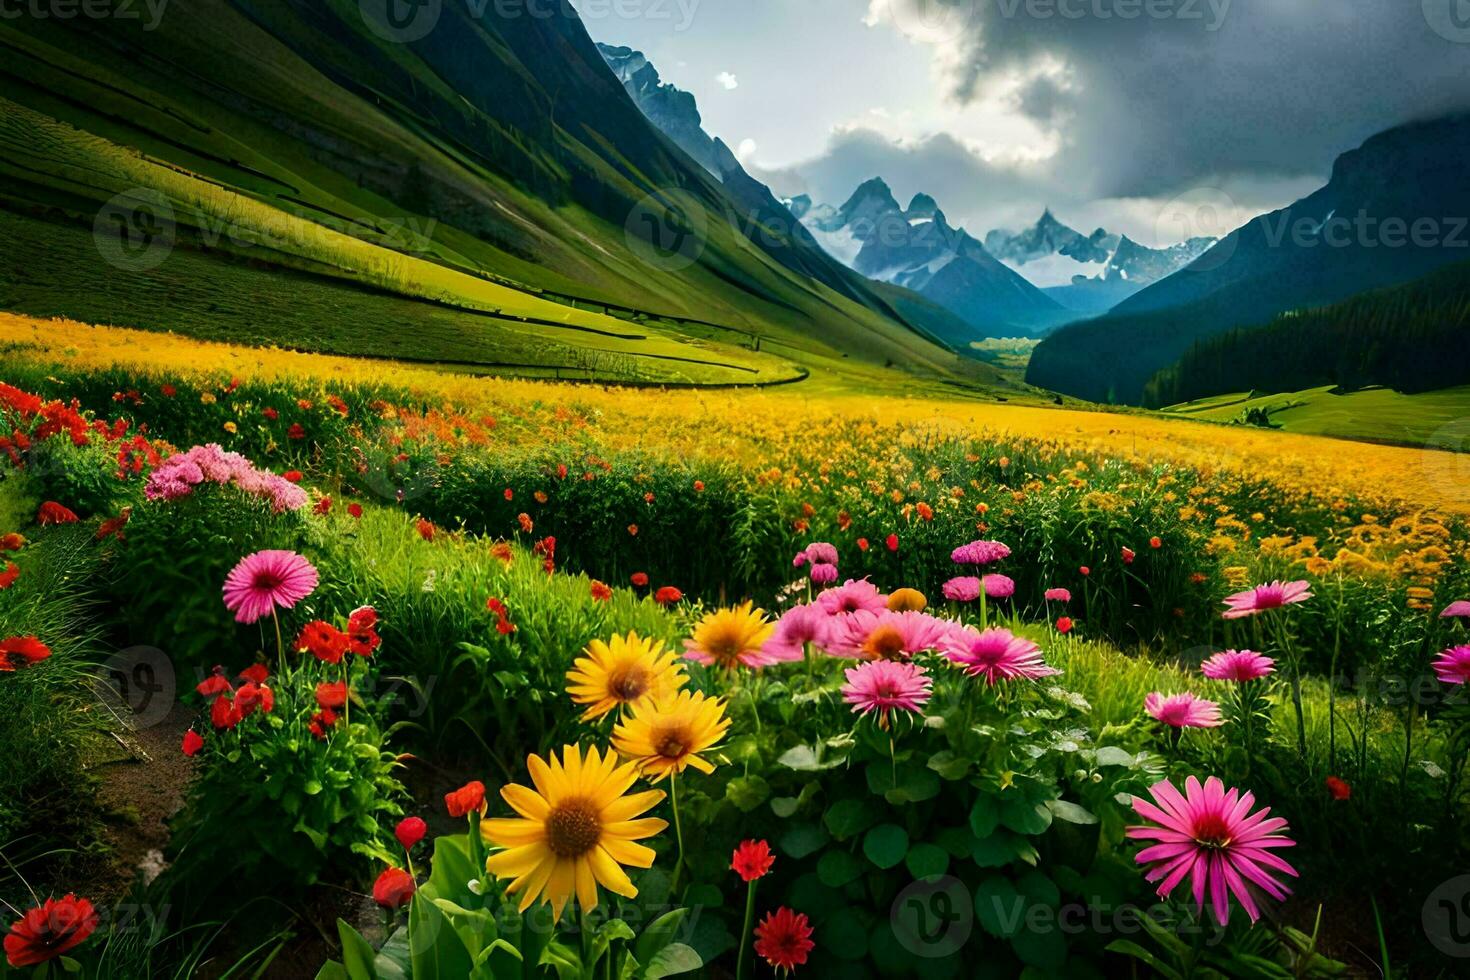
pixel 751 424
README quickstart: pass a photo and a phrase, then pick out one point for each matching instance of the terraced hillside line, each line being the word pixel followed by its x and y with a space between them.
pixel 1324 468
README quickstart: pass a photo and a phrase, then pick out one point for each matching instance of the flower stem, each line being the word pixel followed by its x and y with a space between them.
pixel 280 645
pixel 678 834
pixel 745 931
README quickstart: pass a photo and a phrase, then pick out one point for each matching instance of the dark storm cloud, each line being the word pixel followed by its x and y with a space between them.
pixel 1165 93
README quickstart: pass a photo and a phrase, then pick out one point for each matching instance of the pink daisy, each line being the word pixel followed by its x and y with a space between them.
pixel 1453 665
pixel 979 553
pixel 823 574
pixel 886 686
pixel 1211 836
pixel 265 580
pixel 1183 710
pixel 1057 595
pixel 997 655
pixel 1458 608
pixel 887 635
pixel 851 596
pixel 1238 665
pixel 796 628
pixel 963 588
pixel 999 586
pixel 1272 595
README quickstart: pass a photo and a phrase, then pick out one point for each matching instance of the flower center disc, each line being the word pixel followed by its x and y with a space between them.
pixel 630 685
pixel 884 643
pixel 671 744
pixel 572 828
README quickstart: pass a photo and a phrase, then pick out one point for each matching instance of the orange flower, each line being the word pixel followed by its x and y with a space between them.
pixel 601 591
pixel 470 796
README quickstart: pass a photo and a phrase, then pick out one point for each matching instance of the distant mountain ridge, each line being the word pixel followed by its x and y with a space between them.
pixel 1387 215
pixel 917 248
pixel 1089 274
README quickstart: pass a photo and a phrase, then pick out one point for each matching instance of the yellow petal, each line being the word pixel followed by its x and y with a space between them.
pixel 512 832
pixel 586 885
pixel 635 829
pixel 628 807
pixel 612 877
pixel 525 801
pixel 517 861
pixel 629 853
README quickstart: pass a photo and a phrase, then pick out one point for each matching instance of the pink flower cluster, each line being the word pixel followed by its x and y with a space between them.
pixel 178 476
pixel 823 560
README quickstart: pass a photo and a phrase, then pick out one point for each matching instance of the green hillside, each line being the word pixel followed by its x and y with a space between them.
pixel 1434 418
pixel 454 197
pixel 1409 338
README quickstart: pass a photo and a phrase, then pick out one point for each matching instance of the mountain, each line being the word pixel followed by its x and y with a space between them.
pixel 1409 338
pixel 918 249
pixel 1129 269
pixel 507 139
pixel 1089 274
pixel 1388 214
pixel 676 114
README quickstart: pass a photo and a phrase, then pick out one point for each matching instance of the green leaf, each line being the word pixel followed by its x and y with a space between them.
pixel 984 816
pixel 803 758
pixel 838 868
pixel 1025 817
pixel 358 957
pixel 673 959
pixel 993 851
pixel 1111 755
pixel 803 839
pixel 434 946
pixel 927 860
pixel 847 818
pixel 660 933
pixel 886 844
pixel 1128 947
pixel 1071 812
pixel 1045 949
pixel 999 907
pixel 784 806
pixel 949 765
pixel 747 792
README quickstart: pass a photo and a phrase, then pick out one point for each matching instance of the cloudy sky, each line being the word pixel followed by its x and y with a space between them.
pixel 1157 118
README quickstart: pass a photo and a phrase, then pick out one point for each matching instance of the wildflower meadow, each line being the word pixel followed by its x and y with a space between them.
pixel 572 686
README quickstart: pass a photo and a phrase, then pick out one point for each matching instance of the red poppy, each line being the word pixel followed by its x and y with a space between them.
pixel 1064 624
pixel 214 685
pixel 113 526
pixel 1085 570
pixel 410 831
pixel 296 431
pixel 752 860
pixel 325 642
pixel 862 544
pixel 291 476
pixel 892 542
pixel 52 930
pixel 12 542
pixel 192 743
pixel 667 595
pixel 633 530
pixel 699 486
pixel 470 796
pixel 8 577
pixel 256 673
pixel 362 631
pixel 251 696
pixel 601 591
pixel 393 888
pixel 510 494
pixel 561 471
pixel 355 510
pixel 323 506
pixel 639 579
pixel 1128 556
pixel 1339 789
pixel 223 713
pixel 527 525
pixel 53 513
pixel 320 722
pixel 783 938
pixel 1155 542
pixel 21 651
pixel 426 529
pixel 331 695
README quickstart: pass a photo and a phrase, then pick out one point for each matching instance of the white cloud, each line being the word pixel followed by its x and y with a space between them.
pixel 727 80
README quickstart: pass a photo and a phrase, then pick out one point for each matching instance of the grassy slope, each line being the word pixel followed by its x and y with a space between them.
pixel 197 98
pixel 1434 418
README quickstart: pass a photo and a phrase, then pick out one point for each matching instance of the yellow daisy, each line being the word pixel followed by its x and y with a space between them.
pixel 575 831
pixel 623 671
pixel 665 736
pixel 729 637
